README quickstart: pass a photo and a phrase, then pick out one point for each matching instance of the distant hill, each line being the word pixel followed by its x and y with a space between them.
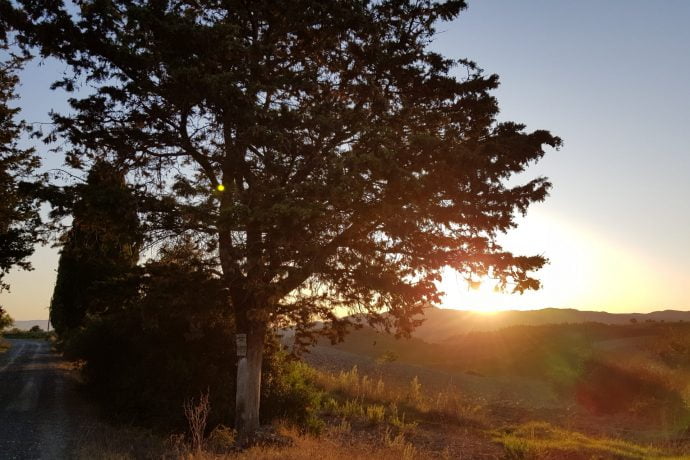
pixel 441 324
pixel 26 325
pixel 555 353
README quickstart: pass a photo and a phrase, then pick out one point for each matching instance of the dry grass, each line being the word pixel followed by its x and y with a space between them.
pixel 543 440
pixel 382 429
pixel 358 389
pixel 335 444
pixel 371 419
pixel 533 440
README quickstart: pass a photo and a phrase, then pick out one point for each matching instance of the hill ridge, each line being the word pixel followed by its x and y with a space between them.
pixel 443 323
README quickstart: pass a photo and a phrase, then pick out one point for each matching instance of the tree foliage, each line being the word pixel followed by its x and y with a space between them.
pixel 170 341
pixel 328 158
pixel 100 249
pixel 5 319
pixel 165 343
pixel 349 153
pixel 19 218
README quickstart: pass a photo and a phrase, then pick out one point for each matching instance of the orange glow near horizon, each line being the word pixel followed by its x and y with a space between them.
pixel 587 271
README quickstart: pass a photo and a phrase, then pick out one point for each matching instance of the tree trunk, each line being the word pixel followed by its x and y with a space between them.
pixel 250 333
pixel 248 394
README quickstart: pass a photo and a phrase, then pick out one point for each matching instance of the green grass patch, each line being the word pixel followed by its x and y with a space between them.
pixel 537 439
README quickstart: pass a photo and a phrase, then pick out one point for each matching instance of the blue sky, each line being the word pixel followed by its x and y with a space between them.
pixel 612 79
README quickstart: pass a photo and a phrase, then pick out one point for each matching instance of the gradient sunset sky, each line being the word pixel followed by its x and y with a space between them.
pixel 612 78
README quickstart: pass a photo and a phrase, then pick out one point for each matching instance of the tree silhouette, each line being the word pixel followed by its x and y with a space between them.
pixel 101 247
pixel 328 156
pixel 19 219
pixel 5 319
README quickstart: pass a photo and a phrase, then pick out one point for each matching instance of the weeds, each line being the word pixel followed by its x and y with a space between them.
pixel 352 408
pixel 197 416
pixel 221 440
pixel 344 427
pixel 398 421
pixel 360 388
pixel 535 439
pixel 399 444
pixel 375 414
pixel 415 394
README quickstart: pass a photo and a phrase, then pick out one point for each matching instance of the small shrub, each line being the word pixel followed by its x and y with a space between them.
pixel 352 408
pixel 375 414
pixel 380 387
pixel 415 391
pixel 398 421
pixel 291 394
pixel 196 413
pixel 221 440
pixel 387 357
pixel 349 380
pixel 330 406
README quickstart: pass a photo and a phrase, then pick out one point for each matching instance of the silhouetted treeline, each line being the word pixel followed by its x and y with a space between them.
pixel 169 341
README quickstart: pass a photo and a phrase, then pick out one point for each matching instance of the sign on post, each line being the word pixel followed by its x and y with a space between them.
pixel 241 344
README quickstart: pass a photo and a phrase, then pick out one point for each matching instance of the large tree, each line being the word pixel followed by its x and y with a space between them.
pixel 327 154
pixel 19 218
pixel 99 251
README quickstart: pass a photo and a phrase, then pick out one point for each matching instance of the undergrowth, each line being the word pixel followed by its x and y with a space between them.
pixel 347 415
pixel 539 439
pixel 354 388
pixel 4 345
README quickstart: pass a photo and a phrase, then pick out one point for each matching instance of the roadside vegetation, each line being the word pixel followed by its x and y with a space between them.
pixel 35 333
pixel 352 414
pixel 5 321
pixel 543 440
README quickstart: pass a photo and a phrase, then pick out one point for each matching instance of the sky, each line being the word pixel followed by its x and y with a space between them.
pixel 610 78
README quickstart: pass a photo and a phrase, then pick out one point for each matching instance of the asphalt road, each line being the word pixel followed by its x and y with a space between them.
pixel 41 414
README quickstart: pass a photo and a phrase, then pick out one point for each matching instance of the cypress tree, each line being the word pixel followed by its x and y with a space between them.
pixel 100 249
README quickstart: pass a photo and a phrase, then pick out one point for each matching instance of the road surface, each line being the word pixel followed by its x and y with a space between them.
pixel 41 415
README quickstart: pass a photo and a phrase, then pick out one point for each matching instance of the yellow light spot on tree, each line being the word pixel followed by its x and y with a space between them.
pixel 220 187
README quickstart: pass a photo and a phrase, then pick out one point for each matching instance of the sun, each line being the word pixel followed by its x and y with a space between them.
pixel 481 297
